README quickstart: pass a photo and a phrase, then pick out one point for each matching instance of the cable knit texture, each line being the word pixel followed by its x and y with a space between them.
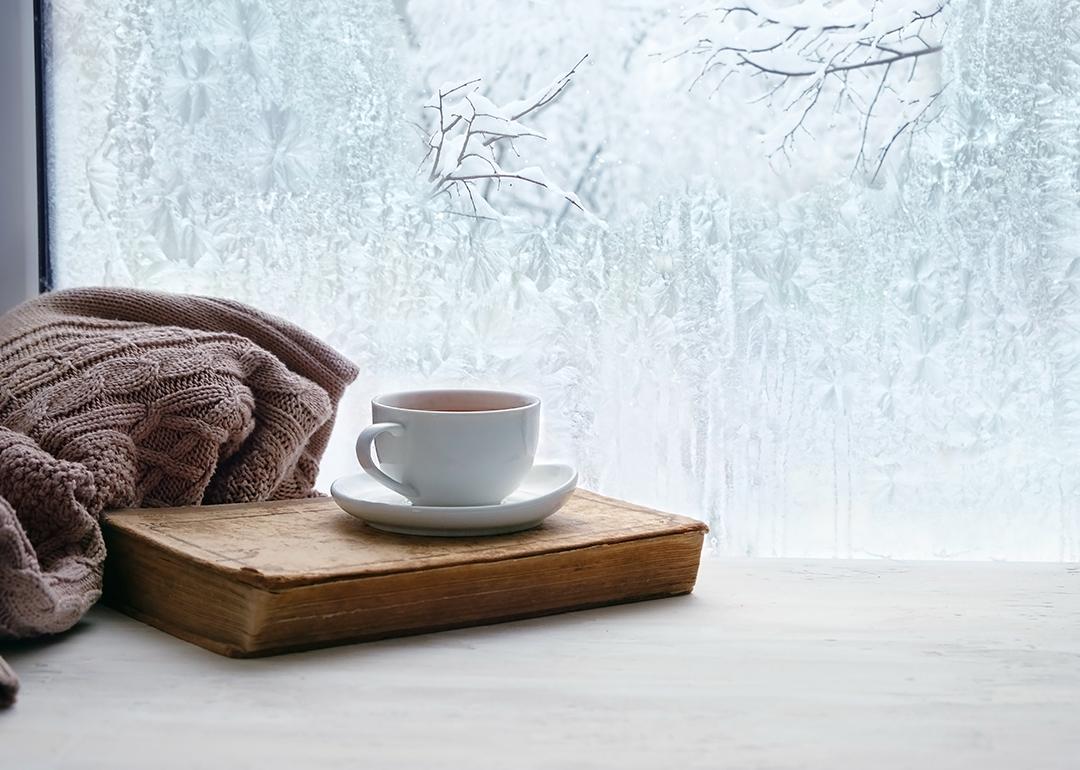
pixel 113 398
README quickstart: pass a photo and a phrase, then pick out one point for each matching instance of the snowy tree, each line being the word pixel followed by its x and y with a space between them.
pixel 468 143
pixel 847 57
pixel 628 112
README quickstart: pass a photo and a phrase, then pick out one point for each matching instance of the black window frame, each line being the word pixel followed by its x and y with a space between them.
pixel 45 266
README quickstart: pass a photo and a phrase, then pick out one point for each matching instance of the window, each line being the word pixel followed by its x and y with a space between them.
pixel 806 270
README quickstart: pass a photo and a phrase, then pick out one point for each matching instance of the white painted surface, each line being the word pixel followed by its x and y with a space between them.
pixel 18 154
pixel 770 664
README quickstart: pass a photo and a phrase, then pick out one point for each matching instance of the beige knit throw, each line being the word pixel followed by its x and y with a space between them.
pixel 112 398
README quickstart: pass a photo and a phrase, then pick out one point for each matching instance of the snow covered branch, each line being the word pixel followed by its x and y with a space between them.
pixel 469 137
pixel 817 51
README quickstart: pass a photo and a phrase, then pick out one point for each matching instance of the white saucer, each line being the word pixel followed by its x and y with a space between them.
pixel 543 492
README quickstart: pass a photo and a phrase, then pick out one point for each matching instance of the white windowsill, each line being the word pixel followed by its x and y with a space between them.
pixel 770 663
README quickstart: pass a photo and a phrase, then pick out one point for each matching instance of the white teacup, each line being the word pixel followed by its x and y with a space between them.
pixel 451 447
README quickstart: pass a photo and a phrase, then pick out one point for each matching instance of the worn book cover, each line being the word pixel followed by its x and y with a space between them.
pixel 263 578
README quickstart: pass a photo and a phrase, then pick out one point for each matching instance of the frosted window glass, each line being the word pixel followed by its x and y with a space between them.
pixel 834 315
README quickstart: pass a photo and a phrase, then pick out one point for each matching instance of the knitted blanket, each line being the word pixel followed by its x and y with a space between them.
pixel 113 398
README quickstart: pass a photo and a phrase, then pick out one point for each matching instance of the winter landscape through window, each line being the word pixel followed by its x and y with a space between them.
pixel 807 270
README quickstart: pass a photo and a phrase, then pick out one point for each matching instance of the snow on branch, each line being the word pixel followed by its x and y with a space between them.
pixel 816 50
pixel 470 137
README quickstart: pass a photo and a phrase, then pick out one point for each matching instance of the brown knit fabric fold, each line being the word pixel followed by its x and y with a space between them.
pixel 115 398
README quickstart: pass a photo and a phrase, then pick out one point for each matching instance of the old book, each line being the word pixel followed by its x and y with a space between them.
pixel 265 578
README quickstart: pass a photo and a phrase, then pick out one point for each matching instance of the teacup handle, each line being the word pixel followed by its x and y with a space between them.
pixel 363 453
